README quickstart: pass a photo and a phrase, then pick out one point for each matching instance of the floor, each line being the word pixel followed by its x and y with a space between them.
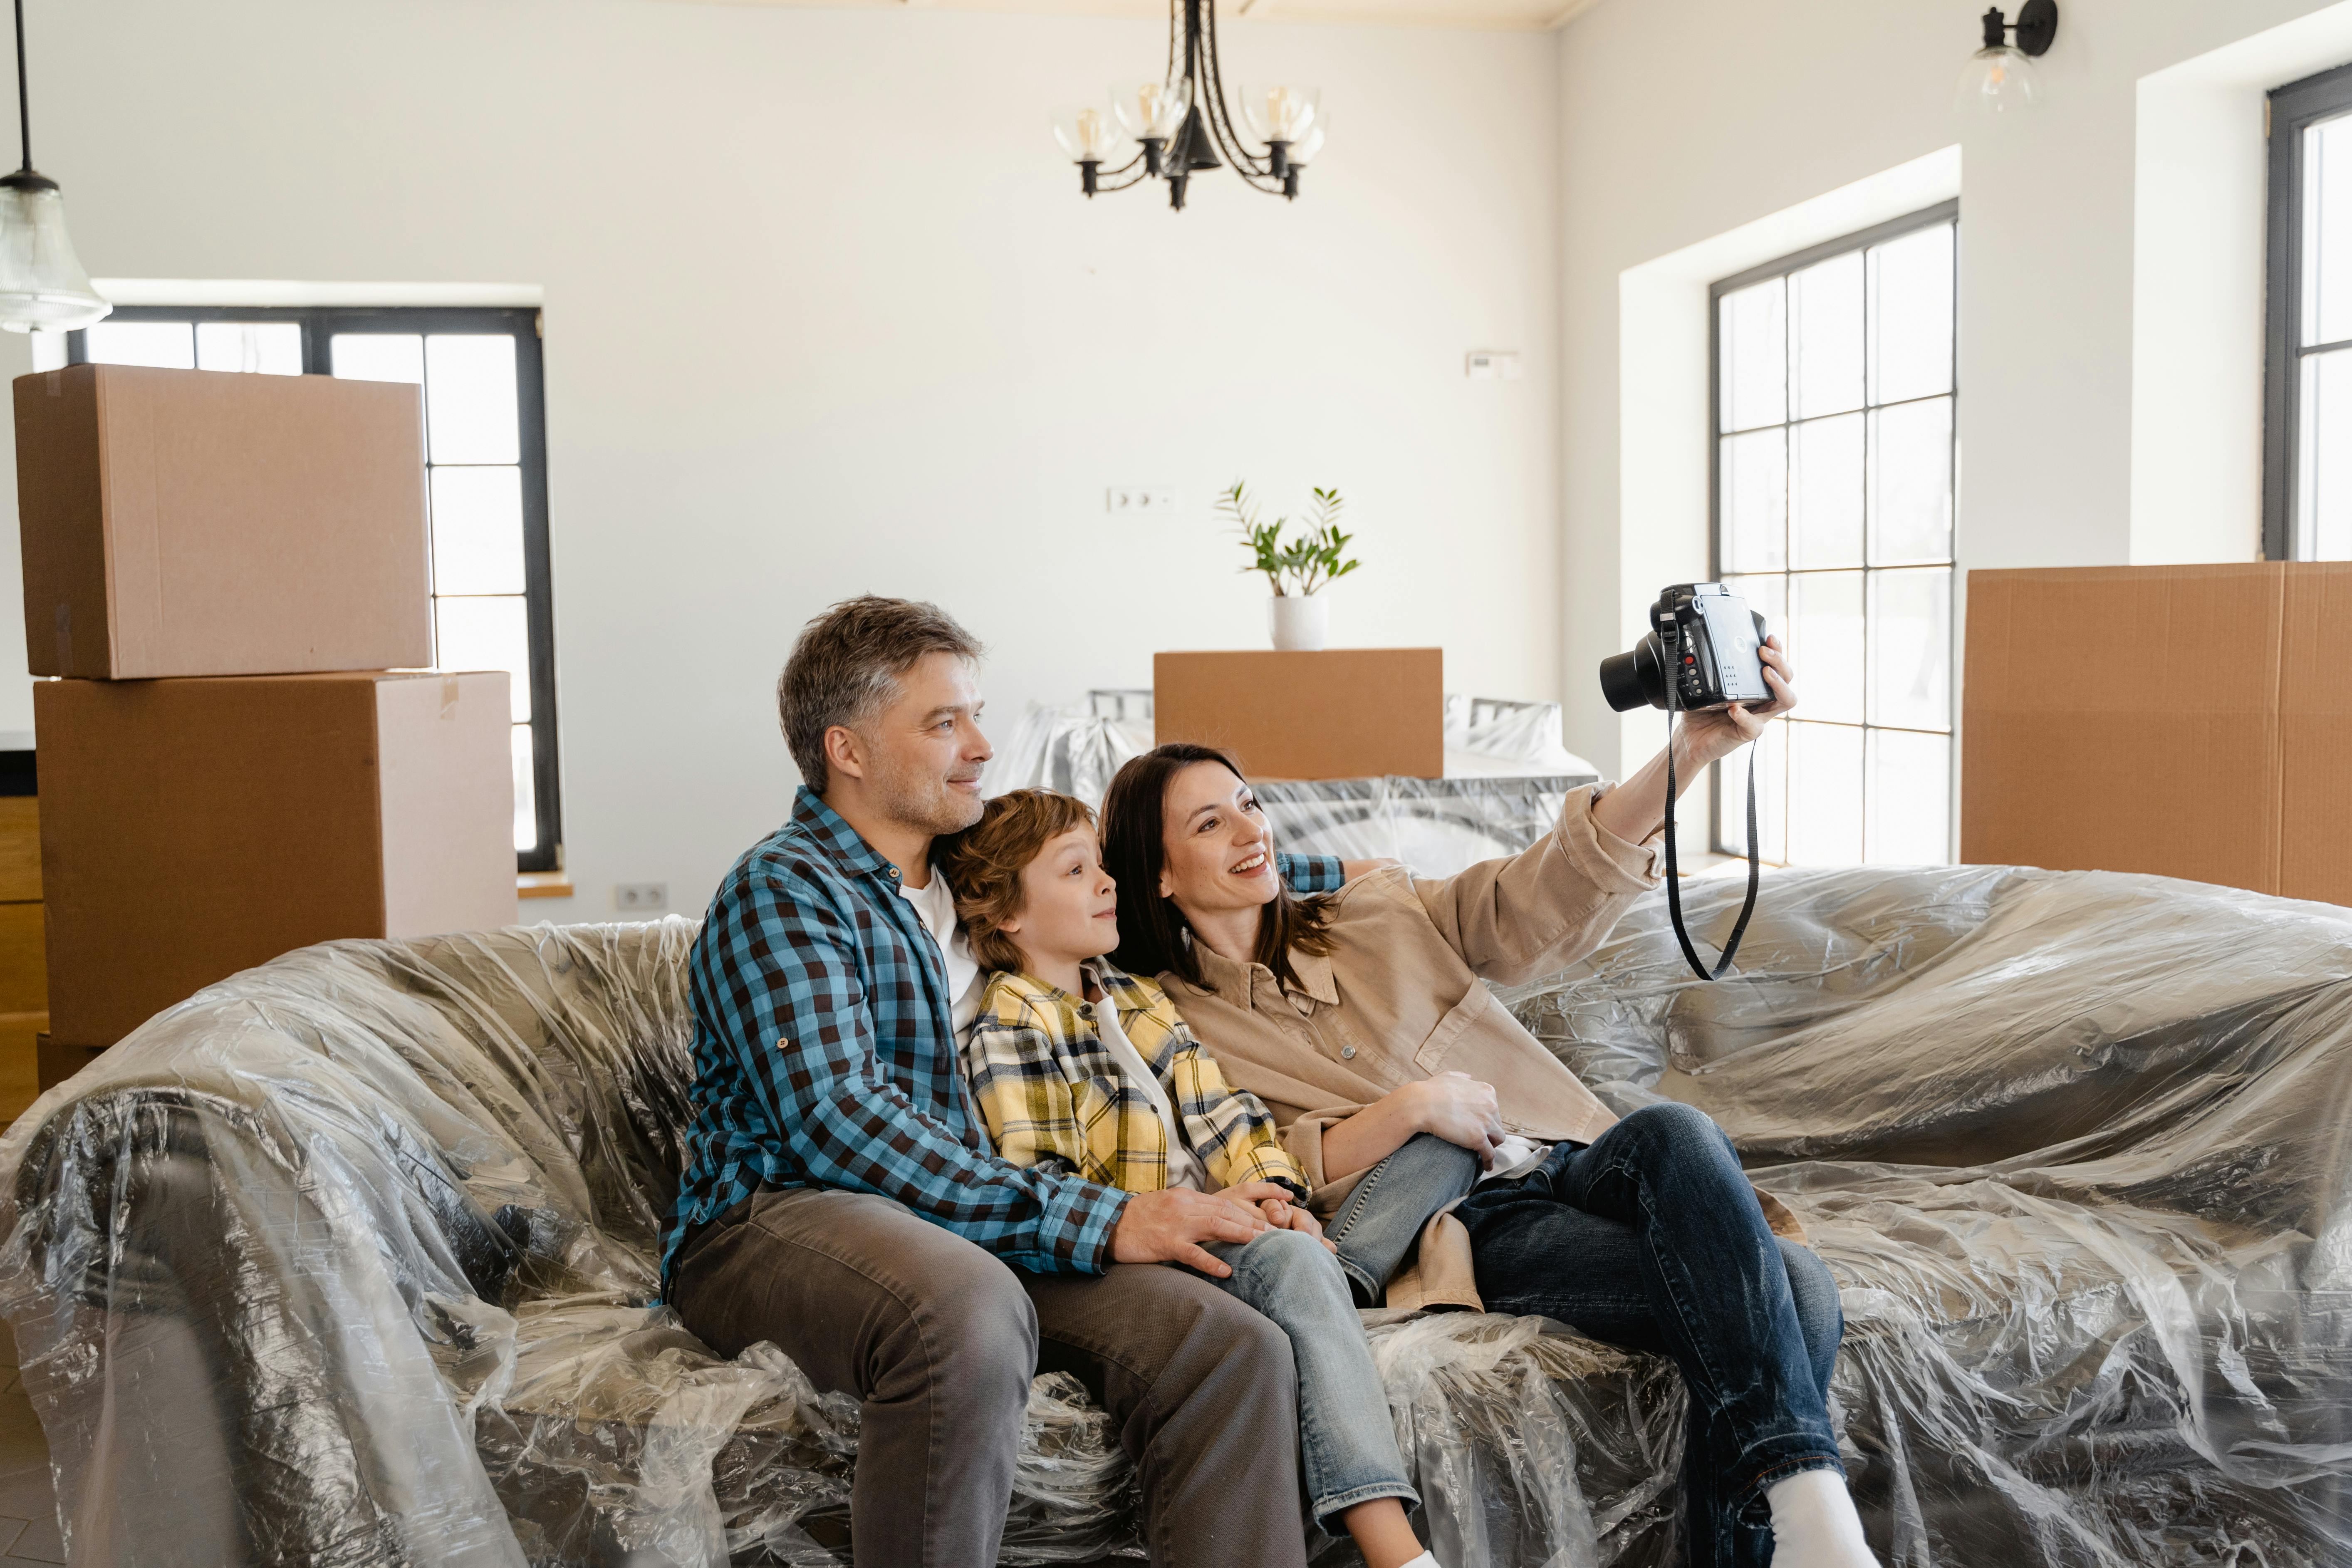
pixel 28 1499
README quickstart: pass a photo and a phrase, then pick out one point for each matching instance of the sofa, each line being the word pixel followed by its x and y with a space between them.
pixel 350 1259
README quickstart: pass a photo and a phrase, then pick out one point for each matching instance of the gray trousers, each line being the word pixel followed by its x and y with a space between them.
pixel 938 1342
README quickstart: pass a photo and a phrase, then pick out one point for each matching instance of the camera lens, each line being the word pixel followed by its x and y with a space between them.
pixel 1635 679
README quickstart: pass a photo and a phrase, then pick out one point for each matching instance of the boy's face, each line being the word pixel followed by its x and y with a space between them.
pixel 1069 905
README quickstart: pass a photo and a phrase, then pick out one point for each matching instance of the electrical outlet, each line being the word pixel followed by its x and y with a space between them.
pixel 641 895
pixel 1491 364
pixel 1139 500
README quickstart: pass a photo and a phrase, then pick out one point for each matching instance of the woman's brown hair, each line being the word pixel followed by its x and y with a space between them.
pixel 1153 935
pixel 983 864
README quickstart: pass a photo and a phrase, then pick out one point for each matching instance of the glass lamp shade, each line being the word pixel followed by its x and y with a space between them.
pixel 1280 113
pixel 1997 81
pixel 1303 152
pixel 1090 136
pixel 42 285
pixel 1150 109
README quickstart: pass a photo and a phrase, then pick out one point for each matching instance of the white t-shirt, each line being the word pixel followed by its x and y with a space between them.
pixel 935 907
pixel 1184 1167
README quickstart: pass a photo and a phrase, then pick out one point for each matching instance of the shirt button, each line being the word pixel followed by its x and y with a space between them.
pixel 894 873
pixel 1348 1053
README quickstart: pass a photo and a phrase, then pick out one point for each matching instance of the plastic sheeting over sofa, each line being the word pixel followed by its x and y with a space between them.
pixel 348 1259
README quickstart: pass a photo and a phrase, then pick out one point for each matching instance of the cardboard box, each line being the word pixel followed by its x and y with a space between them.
pixel 2186 721
pixel 193 829
pixel 1341 713
pixel 198 522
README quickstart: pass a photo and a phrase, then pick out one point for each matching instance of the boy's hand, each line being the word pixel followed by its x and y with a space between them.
pixel 1294 1216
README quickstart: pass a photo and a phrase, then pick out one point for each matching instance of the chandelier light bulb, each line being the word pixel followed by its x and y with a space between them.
pixel 1280 113
pixel 1090 136
pixel 1149 111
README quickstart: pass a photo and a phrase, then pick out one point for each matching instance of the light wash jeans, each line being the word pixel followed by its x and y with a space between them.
pixel 1347 1446
pixel 1382 1219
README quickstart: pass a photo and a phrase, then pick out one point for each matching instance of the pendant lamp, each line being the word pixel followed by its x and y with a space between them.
pixel 42 285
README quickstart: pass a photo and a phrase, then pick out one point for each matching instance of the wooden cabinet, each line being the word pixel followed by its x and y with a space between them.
pixel 24 964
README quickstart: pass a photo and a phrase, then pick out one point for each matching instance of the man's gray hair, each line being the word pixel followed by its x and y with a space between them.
pixel 844 668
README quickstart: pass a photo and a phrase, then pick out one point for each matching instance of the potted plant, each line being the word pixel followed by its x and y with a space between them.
pixel 1299 570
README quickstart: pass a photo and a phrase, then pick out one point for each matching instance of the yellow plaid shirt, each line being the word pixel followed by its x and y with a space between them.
pixel 1051 1095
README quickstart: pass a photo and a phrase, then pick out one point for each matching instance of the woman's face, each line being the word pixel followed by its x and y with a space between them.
pixel 1219 856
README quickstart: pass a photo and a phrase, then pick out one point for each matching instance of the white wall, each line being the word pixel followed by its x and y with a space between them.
pixel 1681 119
pixel 825 313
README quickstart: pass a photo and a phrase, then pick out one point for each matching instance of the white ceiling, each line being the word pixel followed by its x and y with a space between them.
pixel 1529 15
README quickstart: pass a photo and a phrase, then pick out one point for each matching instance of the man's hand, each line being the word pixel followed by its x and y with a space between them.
pixel 1169 1225
pixel 1460 1110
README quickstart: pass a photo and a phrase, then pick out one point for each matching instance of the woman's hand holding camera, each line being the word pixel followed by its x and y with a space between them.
pixel 1712 735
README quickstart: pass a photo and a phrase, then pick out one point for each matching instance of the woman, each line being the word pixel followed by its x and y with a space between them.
pixel 1360 1019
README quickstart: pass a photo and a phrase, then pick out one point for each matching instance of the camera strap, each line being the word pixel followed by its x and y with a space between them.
pixel 1673 872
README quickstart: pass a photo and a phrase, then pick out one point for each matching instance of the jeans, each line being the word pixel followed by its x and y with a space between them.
pixel 1650 1239
pixel 1346 1445
pixel 1383 1217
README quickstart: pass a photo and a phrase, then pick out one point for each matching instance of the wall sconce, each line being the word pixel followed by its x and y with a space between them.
pixel 1999 78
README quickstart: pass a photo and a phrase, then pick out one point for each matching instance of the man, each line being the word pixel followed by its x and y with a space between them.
pixel 841 1199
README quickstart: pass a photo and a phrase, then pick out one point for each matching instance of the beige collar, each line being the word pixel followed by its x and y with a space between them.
pixel 1235 982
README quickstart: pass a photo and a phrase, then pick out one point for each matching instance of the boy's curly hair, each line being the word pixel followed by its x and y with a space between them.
pixel 983 864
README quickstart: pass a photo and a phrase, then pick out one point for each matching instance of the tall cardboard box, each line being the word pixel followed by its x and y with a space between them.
pixel 1339 713
pixel 201 522
pixel 2187 721
pixel 192 828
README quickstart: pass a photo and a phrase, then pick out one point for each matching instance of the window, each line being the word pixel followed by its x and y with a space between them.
pixel 1834 457
pixel 486 476
pixel 2307 391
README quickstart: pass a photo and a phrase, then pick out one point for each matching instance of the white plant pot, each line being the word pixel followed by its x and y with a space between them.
pixel 1300 622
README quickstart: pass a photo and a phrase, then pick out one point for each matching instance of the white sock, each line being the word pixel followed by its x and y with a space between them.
pixel 1814 1524
pixel 1424 1561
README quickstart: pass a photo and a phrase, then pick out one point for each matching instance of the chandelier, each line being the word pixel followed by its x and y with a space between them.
pixel 1174 129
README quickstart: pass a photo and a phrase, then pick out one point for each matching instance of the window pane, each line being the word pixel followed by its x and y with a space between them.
pixel 2323 454
pixel 1911 315
pixel 267 348
pixel 1755 502
pixel 1910 799
pixel 1825 492
pixel 1826 644
pixel 2327 232
pixel 378 356
pixel 1911 648
pixel 469 399
pixel 1825 335
pixel 526 815
pixel 1769 596
pixel 168 344
pixel 1772 763
pixel 485 634
pixel 478 530
pixel 1753 341
pixel 1911 483
pixel 1824 795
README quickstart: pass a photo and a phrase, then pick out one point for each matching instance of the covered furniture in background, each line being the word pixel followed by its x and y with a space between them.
pixel 347 1259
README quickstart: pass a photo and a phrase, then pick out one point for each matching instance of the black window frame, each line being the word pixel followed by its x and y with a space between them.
pixel 1948 210
pixel 319 323
pixel 2289 111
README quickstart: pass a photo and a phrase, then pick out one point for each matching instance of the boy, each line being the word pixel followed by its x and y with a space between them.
pixel 1076 1066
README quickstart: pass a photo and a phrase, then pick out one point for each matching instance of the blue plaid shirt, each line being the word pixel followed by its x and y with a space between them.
pixel 824 1056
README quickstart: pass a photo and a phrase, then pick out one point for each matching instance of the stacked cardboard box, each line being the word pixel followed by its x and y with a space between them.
pixel 2184 720
pixel 230 572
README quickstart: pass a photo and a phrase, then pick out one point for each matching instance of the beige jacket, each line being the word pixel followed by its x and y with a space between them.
pixel 1402 997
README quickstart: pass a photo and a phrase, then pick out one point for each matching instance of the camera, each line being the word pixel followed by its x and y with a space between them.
pixel 1702 637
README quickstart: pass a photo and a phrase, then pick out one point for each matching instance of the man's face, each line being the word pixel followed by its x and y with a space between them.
pixel 923 753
